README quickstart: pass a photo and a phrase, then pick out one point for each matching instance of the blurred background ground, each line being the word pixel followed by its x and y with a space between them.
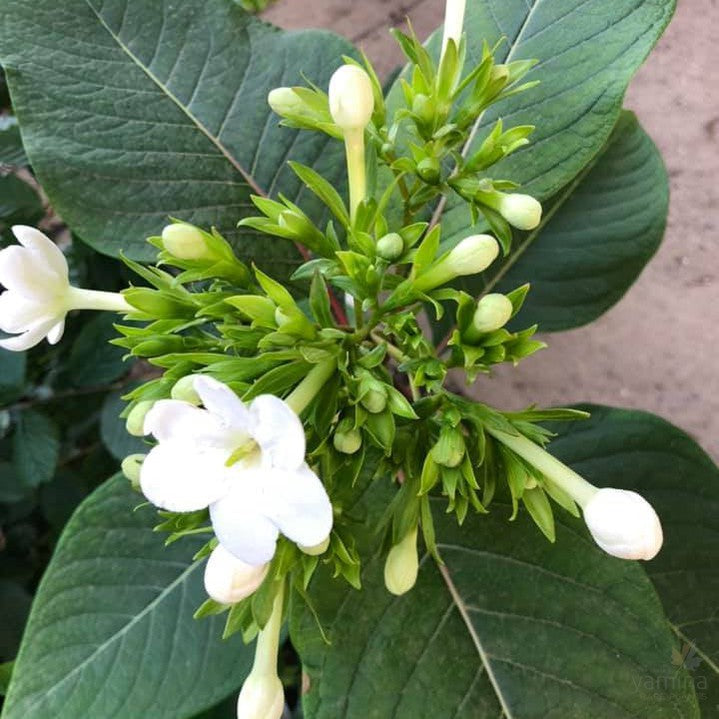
pixel 657 349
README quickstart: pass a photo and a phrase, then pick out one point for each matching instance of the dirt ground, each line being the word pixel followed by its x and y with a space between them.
pixel 656 349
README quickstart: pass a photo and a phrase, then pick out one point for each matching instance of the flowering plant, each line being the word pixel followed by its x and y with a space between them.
pixel 297 345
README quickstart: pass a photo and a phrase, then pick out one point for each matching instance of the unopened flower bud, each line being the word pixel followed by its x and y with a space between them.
pixel 351 98
pixel 131 467
pixel 318 549
pixel 390 247
pixel 422 108
pixel 402 565
pixel 229 580
pixel 185 242
pixel 135 422
pixel 184 390
pixel 450 448
pixel 285 101
pixel 429 170
pixel 281 318
pixel 521 211
pixel 375 401
pixel 472 255
pixel 261 697
pixel 624 524
pixel 347 441
pixel 493 311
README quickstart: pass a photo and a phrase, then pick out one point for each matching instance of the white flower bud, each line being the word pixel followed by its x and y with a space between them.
pixel 390 247
pixel 351 98
pixel 131 467
pixel 135 422
pixel 521 211
pixel 261 697
pixel 402 565
pixel 184 390
pixel 285 101
pixel 493 311
pixel 185 242
pixel 229 580
pixel 624 524
pixel 472 255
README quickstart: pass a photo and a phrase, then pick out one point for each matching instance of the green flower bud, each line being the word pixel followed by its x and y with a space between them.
pixel 347 441
pixel 493 311
pixel 521 211
pixel 285 101
pixel 429 170
pixel 390 247
pixel 402 565
pixel 281 318
pixel 318 549
pixel 185 242
pixel 135 422
pixel 422 108
pixel 450 448
pixel 159 346
pixel 184 390
pixel 351 98
pixel 131 467
pixel 375 401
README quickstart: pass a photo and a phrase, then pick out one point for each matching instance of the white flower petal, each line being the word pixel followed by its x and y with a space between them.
pixel 219 399
pixel 240 524
pixel 17 313
pixel 229 580
pixel 43 246
pixel 56 332
pixel 298 504
pixel 278 431
pixel 174 420
pixel 180 477
pixel 21 271
pixel 25 341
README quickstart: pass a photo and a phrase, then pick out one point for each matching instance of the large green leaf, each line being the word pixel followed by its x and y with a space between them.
pixel 132 111
pixel 514 626
pixel 639 451
pixel 596 237
pixel 111 633
pixel 588 51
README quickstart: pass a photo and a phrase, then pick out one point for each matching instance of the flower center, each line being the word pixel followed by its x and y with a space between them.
pixel 243 452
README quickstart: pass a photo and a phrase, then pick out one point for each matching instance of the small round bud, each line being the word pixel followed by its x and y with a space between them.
pixel 375 401
pixel 390 247
pixel 422 108
pixel 229 580
pixel 472 255
pixel 285 101
pixel 493 311
pixel 387 149
pixel 450 448
pixel 131 467
pixel 347 442
pixel 184 390
pixel 402 565
pixel 261 697
pixel 185 242
pixel 429 170
pixel 521 211
pixel 351 98
pixel 624 524
pixel 135 422
pixel 318 549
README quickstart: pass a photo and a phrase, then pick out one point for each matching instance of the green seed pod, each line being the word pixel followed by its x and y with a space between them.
pixel 375 401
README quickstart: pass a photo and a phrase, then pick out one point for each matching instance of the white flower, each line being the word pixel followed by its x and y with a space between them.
pixel 39 294
pixel 624 524
pixel 229 580
pixel 351 98
pixel 246 463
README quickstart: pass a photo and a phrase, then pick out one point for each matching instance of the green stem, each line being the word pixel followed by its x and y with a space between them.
pixel 301 396
pixel 268 640
pixel 355 151
pixel 562 476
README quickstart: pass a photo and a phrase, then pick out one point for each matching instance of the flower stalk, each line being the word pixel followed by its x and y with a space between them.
pixel 302 395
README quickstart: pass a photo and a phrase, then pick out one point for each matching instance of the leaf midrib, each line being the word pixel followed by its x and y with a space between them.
pixel 166 91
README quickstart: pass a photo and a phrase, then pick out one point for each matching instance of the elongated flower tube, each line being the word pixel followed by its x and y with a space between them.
pixel 351 105
pixel 621 522
pixel 453 22
pixel 262 695
pixel 402 565
pixel 229 580
pixel 472 255
pixel 245 462
pixel 39 294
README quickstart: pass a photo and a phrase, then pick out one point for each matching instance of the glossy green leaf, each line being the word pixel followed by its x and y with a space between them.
pixel 132 111
pixel 19 203
pixel 36 447
pixel 636 450
pixel 111 633
pixel 12 153
pixel 522 628
pixel 12 375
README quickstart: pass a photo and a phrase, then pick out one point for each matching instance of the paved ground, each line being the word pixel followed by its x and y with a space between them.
pixel 671 315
